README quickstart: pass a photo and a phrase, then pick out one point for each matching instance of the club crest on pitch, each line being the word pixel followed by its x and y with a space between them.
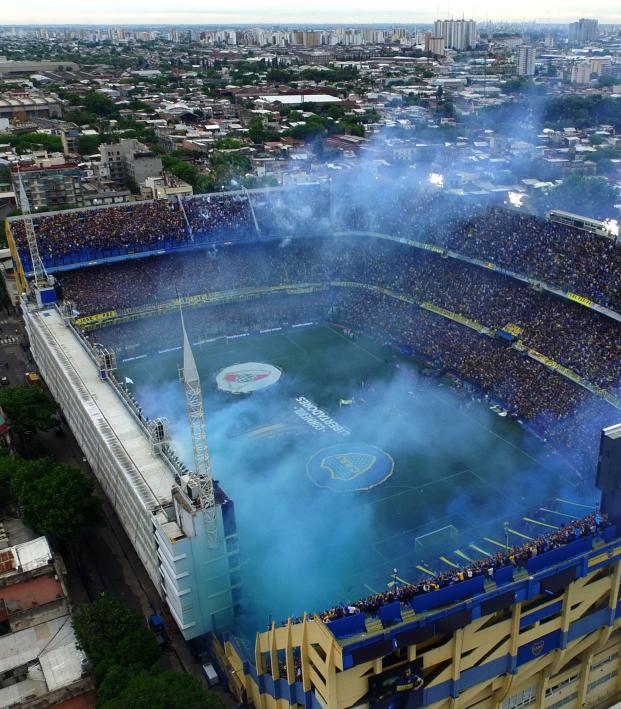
pixel 347 466
pixel 247 377
pixel 350 467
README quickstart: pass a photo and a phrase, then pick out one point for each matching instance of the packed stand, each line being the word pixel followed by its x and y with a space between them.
pixel 571 335
pixel 515 556
pixel 81 235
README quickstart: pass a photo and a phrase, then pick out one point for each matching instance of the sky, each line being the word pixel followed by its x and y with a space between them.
pixel 224 12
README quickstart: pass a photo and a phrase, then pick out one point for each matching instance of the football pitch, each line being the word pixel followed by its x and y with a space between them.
pixel 352 464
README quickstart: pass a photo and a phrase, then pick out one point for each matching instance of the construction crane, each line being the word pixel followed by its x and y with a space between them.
pixel 200 484
pixel 38 269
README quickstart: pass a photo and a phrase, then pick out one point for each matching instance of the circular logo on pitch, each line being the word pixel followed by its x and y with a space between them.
pixel 350 467
pixel 248 377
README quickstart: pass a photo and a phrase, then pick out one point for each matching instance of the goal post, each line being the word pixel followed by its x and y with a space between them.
pixel 442 537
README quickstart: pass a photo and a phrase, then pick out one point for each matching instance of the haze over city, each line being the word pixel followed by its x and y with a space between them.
pixel 320 12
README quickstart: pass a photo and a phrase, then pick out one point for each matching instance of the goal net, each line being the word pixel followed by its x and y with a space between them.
pixel 438 539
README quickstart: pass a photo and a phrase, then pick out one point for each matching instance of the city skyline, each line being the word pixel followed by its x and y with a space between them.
pixel 39 12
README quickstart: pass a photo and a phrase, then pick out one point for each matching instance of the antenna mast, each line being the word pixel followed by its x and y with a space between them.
pixel 201 482
pixel 40 276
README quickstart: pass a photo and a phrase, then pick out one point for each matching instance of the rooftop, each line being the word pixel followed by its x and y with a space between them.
pixel 148 474
pixel 30 593
pixel 25 557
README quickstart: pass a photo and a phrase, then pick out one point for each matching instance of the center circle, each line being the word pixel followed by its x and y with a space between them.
pixel 350 467
pixel 247 377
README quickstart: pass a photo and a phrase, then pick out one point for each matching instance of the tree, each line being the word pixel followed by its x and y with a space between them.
pixel 89 144
pixel 101 626
pixel 6 468
pixel 28 408
pixel 23 142
pixel 280 76
pixel 57 499
pixel 182 169
pixel 166 690
pixel 258 133
pixel 228 143
pixel 99 104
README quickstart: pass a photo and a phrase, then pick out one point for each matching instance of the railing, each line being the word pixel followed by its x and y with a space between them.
pixel 127 400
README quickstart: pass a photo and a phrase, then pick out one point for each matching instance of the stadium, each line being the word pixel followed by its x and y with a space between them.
pixel 380 477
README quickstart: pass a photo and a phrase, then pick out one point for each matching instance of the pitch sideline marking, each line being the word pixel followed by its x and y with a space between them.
pixel 353 342
pixel 449 562
pixel 555 512
pixel 293 342
pixel 487 428
pixel 536 521
pixel 493 541
pixel 519 534
pixel 577 504
pixel 409 488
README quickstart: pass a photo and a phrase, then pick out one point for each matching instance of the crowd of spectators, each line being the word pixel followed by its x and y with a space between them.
pixel 224 215
pixel 569 334
pixel 562 256
pixel 566 332
pixel 573 336
pixel 516 556
pixel 92 233
pixel 83 235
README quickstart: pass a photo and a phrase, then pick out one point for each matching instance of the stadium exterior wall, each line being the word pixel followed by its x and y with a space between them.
pixel 167 530
pixel 538 641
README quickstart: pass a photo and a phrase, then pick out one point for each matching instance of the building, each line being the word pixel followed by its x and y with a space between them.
pixel 50 184
pixel 152 494
pixel 23 106
pixel 526 60
pixel 458 34
pixel 435 46
pixel 276 100
pixel 166 187
pixel 9 277
pixel 581 73
pixel 10 68
pixel 97 192
pixel 583 31
pixel 547 635
pixel 129 161
pixel 39 661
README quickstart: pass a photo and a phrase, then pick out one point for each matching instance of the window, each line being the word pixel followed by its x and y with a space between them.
pixel 555 687
pixel 604 660
pixel 562 702
pixel 521 699
pixel 602 680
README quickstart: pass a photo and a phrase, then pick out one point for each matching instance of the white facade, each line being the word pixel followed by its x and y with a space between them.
pixel 526 61
pixel 581 73
pixel 458 34
pixel 162 522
